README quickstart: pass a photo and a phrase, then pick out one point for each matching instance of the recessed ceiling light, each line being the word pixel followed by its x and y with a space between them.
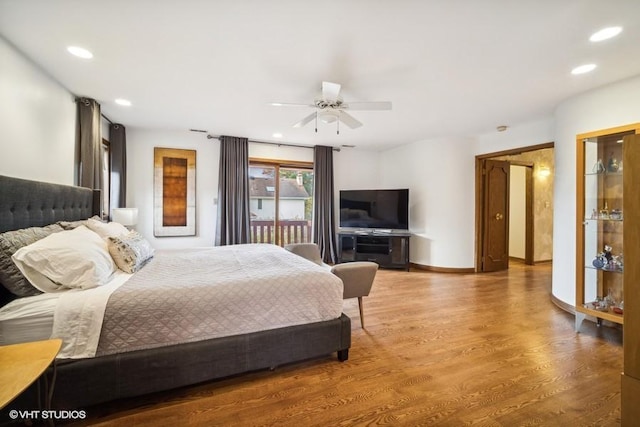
pixel 80 52
pixel 123 102
pixel 605 33
pixel 277 135
pixel 583 69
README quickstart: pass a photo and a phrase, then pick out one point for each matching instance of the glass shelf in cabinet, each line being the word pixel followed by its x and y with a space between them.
pixel 610 270
pixel 603 174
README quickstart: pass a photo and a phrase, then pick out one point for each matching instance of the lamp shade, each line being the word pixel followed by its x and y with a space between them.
pixel 125 216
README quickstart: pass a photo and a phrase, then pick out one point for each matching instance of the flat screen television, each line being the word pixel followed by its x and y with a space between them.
pixel 375 209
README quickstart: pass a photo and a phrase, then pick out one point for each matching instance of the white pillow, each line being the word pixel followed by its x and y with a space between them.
pixel 106 229
pixel 73 259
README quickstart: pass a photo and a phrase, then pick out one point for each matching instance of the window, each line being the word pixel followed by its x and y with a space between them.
pixel 281 201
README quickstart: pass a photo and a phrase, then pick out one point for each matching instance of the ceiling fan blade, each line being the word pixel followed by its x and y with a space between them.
pixel 305 120
pixel 288 104
pixel 367 106
pixel 349 120
pixel 330 91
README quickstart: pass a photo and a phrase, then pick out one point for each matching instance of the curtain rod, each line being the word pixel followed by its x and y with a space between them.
pixel 279 144
pixel 106 118
pixel 86 101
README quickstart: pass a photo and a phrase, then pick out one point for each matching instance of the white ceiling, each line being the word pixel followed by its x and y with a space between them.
pixel 450 67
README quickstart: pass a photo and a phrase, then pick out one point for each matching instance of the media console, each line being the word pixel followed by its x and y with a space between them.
pixel 387 249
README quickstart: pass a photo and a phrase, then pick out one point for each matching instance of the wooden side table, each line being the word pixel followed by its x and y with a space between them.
pixel 22 364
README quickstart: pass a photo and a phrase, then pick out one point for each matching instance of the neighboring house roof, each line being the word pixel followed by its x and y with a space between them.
pixel 265 188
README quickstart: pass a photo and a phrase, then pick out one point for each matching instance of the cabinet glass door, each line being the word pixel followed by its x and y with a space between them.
pixel 600 269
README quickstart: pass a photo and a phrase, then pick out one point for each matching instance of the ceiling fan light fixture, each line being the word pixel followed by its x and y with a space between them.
pixel 327 118
pixel 330 108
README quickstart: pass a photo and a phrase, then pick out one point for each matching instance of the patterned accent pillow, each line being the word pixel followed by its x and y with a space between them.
pixel 130 251
pixel 10 242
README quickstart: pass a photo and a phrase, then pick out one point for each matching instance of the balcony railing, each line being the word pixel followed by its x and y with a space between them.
pixel 288 231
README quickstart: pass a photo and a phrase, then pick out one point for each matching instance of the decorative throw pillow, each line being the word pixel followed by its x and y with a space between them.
pixel 70 259
pixel 130 251
pixel 10 242
pixel 106 229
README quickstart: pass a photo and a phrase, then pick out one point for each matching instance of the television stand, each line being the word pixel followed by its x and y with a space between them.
pixel 389 249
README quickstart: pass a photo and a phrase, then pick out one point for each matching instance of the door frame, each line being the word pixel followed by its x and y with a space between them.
pixel 278 164
pixel 479 195
pixel 528 239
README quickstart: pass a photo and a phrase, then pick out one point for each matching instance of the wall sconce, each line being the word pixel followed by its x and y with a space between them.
pixel 125 216
pixel 544 171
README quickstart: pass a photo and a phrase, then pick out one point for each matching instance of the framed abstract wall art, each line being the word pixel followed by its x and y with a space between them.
pixel 174 192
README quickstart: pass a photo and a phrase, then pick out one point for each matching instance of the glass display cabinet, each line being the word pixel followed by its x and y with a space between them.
pixel 600 265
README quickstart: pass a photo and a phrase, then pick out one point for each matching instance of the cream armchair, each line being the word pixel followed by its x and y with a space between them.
pixel 357 277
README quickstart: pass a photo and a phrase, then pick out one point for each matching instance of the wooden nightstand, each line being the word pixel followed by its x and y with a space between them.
pixel 22 364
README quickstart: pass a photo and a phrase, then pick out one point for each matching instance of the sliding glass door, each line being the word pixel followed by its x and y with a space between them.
pixel 281 202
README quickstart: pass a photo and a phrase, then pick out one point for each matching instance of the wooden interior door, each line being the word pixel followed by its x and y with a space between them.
pixel 495 236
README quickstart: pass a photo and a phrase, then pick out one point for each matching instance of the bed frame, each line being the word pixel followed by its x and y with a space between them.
pixel 84 382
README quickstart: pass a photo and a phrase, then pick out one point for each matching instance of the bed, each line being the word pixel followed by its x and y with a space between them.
pixel 114 371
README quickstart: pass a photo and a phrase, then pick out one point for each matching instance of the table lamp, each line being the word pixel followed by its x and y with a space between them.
pixel 125 216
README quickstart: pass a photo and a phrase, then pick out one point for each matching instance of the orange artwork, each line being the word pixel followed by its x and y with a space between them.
pixel 174 192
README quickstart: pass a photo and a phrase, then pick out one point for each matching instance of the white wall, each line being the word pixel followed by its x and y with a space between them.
pixel 440 176
pixel 522 135
pixel 603 108
pixel 140 145
pixel 282 152
pixel 355 169
pixel 37 122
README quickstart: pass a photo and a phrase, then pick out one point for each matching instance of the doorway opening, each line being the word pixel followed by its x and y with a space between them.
pixel 514 214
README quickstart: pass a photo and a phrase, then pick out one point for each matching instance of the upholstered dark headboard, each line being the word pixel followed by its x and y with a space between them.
pixel 25 203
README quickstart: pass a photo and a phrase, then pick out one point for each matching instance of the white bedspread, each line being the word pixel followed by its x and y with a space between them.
pixel 190 295
pixel 78 318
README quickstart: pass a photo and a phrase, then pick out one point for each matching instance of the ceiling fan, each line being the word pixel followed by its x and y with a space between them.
pixel 330 107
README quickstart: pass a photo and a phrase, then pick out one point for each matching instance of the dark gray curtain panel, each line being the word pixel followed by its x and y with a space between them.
pixel 89 144
pixel 233 192
pixel 118 152
pixel 324 226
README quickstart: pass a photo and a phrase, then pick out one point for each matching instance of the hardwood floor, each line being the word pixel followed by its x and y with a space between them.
pixel 439 349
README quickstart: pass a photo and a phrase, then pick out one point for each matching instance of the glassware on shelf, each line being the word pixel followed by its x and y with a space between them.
pixel 599 167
